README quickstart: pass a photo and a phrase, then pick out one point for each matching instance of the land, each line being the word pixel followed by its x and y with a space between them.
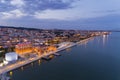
pixel 33 44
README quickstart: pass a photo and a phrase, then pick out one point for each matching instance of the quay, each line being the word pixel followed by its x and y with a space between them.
pixel 18 64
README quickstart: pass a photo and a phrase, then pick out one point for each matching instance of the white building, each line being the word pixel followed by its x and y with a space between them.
pixel 12 56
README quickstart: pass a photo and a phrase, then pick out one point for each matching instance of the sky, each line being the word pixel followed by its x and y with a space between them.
pixel 61 14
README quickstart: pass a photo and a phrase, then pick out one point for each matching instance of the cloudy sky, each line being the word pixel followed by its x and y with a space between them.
pixel 64 14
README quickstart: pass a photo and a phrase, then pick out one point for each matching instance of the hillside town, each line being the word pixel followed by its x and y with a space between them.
pixel 20 46
pixel 38 41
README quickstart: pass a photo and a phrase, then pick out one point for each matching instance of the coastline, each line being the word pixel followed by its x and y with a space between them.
pixel 18 64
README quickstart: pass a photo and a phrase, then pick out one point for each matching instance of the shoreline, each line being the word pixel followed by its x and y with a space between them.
pixel 18 64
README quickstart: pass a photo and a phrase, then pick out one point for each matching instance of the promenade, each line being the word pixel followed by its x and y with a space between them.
pixel 18 64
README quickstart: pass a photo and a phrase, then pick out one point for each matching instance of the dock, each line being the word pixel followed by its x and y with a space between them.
pixel 47 58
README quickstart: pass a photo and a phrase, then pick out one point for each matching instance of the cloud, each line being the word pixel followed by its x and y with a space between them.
pixel 41 5
pixel 56 14
pixel 57 9
pixel 107 11
pixel 2 1
pixel 12 14
pixel 17 3
pixel 49 14
pixel 31 6
pixel 36 8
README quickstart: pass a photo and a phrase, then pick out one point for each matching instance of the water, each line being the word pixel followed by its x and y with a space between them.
pixel 99 59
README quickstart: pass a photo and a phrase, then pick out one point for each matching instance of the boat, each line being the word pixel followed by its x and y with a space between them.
pixel 57 54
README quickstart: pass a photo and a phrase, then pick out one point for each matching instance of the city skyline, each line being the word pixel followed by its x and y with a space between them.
pixel 63 14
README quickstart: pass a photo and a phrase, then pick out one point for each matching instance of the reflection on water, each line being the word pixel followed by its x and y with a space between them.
pixel 22 68
pixel 32 64
pixel 68 49
pixel 105 38
pixel 10 73
pixel 84 43
pixel 39 62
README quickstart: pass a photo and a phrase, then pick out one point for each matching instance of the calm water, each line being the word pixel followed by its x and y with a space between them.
pixel 99 59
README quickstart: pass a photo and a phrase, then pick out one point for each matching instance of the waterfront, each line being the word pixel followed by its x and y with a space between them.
pixel 96 60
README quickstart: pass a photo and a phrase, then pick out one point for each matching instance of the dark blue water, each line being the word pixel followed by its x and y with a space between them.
pixel 99 59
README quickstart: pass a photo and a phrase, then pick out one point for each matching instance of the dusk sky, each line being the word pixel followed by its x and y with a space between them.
pixel 62 14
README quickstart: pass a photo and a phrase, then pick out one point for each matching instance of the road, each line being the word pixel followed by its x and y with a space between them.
pixel 18 64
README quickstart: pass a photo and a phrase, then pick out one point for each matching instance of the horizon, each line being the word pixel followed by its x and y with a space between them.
pixel 33 28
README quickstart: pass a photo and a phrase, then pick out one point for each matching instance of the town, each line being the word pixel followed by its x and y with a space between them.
pixel 20 46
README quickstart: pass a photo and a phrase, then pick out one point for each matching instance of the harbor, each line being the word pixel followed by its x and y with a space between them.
pixel 18 64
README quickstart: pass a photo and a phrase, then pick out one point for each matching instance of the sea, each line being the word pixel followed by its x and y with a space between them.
pixel 96 59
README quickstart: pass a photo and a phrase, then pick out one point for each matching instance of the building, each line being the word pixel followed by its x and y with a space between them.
pixel 11 56
pixel 23 48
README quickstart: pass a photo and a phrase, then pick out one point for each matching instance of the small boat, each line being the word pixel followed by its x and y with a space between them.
pixel 57 54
